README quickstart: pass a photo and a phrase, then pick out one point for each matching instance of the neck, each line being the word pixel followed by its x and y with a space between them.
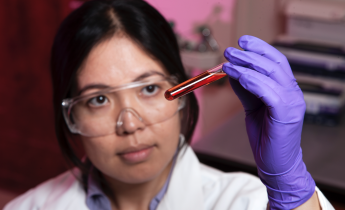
pixel 136 196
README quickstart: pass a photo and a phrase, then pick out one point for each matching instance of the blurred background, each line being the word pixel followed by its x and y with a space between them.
pixel 310 33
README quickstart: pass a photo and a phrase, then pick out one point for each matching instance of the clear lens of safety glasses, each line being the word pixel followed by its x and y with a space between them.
pixel 100 112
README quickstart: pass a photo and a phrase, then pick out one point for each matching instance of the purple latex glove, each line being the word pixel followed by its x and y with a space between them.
pixel 262 79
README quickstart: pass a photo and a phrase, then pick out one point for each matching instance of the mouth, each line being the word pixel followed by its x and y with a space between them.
pixel 136 154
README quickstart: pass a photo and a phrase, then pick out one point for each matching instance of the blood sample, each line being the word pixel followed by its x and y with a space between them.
pixel 200 80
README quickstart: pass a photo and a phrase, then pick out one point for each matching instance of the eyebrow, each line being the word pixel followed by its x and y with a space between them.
pixel 102 86
pixel 148 74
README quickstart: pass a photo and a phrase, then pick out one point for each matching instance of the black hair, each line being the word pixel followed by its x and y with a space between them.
pixel 96 21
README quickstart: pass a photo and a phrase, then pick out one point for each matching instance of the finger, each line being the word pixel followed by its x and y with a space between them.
pixel 258 84
pixel 249 101
pixel 259 63
pixel 236 72
pixel 256 45
pixel 262 91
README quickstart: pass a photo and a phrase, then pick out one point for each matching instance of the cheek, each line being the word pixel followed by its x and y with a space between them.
pixel 168 133
pixel 99 150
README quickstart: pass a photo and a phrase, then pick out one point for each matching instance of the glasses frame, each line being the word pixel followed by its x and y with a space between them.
pixel 69 102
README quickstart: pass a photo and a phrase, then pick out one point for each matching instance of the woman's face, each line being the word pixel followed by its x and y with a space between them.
pixel 138 153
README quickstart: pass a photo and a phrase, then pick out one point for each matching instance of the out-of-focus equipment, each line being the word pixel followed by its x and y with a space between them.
pixel 202 53
pixel 207 43
pixel 315 48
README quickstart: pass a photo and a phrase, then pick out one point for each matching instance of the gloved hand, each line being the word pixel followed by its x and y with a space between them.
pixel 262 79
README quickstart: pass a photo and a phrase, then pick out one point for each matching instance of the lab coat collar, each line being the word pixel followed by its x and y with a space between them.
pixel 185 187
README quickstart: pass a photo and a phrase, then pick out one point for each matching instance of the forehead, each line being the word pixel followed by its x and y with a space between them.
pixel 116 61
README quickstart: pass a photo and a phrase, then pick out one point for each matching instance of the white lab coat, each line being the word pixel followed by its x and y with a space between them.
pixel 192 186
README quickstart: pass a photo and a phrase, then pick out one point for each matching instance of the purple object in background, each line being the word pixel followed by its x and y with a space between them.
pixel 262 79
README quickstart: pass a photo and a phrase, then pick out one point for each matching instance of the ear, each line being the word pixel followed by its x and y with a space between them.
pixel 182 105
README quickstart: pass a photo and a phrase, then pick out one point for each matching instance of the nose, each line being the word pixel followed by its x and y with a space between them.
pixel 129 121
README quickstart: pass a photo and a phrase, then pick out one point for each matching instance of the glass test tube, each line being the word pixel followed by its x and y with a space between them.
pixel 200 80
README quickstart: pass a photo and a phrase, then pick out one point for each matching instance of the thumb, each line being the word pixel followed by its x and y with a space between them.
pixel 248 100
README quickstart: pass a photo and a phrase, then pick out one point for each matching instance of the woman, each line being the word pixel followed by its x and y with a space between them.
pixel 111 63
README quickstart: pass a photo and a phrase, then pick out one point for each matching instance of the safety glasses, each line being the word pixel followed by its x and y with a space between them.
pixel 102 112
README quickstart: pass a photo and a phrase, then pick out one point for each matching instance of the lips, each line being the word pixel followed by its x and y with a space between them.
pixel 136 154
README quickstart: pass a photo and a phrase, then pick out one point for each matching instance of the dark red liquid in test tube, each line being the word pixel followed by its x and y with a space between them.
pixel 200 80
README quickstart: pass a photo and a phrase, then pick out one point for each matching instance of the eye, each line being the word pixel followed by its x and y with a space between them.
pixel 150 90
pixel 98 101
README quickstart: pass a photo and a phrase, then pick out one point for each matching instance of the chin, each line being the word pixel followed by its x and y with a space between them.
pixel 140 174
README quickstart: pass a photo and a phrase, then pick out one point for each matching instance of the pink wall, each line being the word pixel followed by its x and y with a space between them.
pixel 187 13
